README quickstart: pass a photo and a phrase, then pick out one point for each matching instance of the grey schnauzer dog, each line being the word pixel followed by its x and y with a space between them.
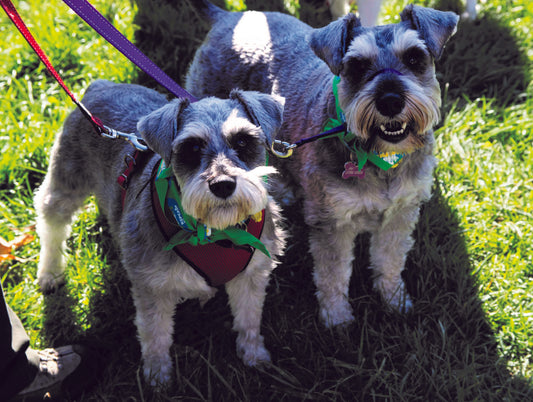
pixel 215 150
pixel 381 82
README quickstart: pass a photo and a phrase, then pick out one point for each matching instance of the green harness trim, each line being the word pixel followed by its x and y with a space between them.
pixel 384 161
pixel 193 232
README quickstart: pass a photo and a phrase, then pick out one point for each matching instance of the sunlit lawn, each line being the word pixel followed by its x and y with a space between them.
pixel 470 336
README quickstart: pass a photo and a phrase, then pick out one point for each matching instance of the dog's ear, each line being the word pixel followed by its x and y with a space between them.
pixel 263 110
pixel 331 42
pixel 435 27
pixel 160 127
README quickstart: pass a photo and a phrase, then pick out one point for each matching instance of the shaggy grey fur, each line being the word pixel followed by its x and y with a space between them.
pixel 202 142
pixel 391 100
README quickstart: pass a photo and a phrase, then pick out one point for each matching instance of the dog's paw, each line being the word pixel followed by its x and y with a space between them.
pixel 403 304
pixel 49 283
pixel 252 351
pixel 158 374
pixel 341 315
pixel 397 299
pixel 256 357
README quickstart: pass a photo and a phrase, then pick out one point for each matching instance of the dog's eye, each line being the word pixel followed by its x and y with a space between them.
pixel 242 140
pixel 245 145
pixel 415 59
pixel 194 147
pixel 190 152
pixel 241 143
pixel 355 68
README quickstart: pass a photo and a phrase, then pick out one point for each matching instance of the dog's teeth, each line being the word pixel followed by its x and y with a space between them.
pixel 401 131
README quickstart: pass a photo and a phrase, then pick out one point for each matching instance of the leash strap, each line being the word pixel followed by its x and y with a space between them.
pixel 89 14
pixel 97 124
pixel 336 128
pixel 101 25
pixel 12 13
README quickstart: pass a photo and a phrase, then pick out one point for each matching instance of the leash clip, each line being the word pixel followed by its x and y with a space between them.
pixel 286 149
pixel 132 138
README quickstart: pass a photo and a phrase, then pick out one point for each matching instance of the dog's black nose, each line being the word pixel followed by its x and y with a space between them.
pixel 390 104
pixel 223 187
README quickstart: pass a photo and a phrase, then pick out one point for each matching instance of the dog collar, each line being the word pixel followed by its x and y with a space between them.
pixel 384 161
pixel 193 232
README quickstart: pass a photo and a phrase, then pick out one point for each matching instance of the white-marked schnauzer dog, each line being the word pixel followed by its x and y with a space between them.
pixel 194 211
pixel 380 83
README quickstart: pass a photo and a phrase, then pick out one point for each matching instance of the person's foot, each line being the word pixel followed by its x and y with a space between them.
pixel 63 372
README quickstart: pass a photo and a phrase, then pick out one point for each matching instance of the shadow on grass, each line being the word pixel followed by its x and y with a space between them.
pixel 108 321
pixel 443 349
pixel 483 59
pixel 177 31
pixel 170 32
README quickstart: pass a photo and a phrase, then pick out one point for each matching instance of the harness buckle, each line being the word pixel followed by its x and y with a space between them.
pixel 132 138
pixel 286 149
pixel 123 181
pixel 129 159
pixel 109 133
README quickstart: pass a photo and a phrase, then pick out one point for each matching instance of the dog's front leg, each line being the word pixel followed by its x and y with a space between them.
pixel 155 327
pixel 246 294
pixel 332 249
pixel 389 246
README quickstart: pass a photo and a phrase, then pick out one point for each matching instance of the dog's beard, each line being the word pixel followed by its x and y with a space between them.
pixel 420 114
pixel 249 198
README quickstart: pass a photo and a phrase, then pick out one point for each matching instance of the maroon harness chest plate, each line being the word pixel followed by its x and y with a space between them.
pixel 217 262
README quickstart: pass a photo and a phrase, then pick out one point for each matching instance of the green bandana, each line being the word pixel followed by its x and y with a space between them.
pixel 194 233
pixel 383 161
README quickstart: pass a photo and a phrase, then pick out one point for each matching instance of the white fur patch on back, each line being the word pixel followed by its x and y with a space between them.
pixel 251 37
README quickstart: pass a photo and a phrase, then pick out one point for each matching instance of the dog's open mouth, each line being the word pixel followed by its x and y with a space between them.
pixel 394 131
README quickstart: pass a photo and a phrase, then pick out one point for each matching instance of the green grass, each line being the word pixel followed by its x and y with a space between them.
pixel 470 335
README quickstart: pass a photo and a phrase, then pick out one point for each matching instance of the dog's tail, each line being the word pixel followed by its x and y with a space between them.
pixel 207 10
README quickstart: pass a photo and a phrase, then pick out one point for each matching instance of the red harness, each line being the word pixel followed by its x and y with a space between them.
pixel 218 262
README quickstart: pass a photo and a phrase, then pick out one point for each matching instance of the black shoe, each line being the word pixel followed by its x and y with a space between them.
pixel 63 372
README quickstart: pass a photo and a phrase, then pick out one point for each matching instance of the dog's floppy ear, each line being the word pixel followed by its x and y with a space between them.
pixel 331 42
pixel 435 27
pixel 263 110
pixel 159 128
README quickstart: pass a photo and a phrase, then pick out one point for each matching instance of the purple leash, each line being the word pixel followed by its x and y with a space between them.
pixel 101 25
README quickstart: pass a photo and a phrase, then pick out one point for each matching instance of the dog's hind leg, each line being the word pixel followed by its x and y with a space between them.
pixel 55 203
pixel 246 294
